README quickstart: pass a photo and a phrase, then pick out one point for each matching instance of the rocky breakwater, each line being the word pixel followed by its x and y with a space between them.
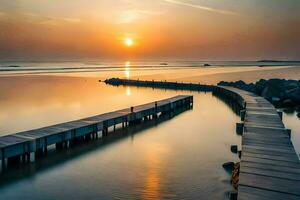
pixel 281 93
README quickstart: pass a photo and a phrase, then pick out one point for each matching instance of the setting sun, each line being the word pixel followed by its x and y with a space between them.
pixel 128 42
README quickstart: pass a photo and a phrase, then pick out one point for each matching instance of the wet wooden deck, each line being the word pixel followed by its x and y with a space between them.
pixel 270 168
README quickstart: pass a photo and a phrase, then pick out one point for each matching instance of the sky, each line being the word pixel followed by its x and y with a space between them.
pixel 159 29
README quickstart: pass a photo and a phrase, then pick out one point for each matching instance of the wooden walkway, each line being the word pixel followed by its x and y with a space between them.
pixel 270 168
pixel 24 146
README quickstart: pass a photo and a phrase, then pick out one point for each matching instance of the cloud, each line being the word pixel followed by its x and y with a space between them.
pixel 206 8
pixel 50 20
pixel 130 16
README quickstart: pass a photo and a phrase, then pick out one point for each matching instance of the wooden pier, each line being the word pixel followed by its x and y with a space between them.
pixel 25 146
pixel 269 167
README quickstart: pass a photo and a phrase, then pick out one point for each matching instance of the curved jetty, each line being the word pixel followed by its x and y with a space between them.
pixel 25 146
pixel 269 167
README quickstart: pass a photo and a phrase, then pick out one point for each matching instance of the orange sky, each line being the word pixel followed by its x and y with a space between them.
pixel 172 29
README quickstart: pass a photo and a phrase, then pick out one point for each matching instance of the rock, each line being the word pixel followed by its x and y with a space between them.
pixel 280 92
pixel 113 81
pixel 260 85
pixel 291 84
pixel 274 88
pixel 234 148
pixel 270 92
pixel 228 166
pixel 223 83
pixel 275 99
pixel 288 110
pixel 288 103
pixel 294 95
pixel 232 195
pixel 235 175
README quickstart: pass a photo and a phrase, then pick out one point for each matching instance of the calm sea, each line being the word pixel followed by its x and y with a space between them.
pixel 30 67
pixel 177 158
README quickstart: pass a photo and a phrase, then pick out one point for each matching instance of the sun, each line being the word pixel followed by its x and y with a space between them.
pixel 128 42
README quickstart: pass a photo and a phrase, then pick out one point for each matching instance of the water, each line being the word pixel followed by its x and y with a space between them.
pixel 140 67
pixel 180 158
pixel 292 122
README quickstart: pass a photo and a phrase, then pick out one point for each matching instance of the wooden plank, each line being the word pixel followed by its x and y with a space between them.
pixel 271 173
pixel 271 144
pixel 270 167
pixel 266 136
pixel 280 141
pixel 268 151
pixel 270 183
pixel 270 162
pixel 291 150
pixel 264 129
pixel 288 158
pixel 246 193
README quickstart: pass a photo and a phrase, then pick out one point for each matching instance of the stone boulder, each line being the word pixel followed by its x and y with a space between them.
pixel 294 95
pixel 229 166
pixel 280 92
pixel 291 84
pixel 274 88
pixel 288 103
pixel 260 85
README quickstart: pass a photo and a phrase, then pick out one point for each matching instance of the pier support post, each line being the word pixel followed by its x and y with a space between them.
pixel 239 128
pixel 105 132
pixel 280 114
pixel 46 150
pixel 4 162
pixel 32 157
pixel 240 154
pixel 14 160
pixel 59 145
pixel 23 158
pixel 242 114
pixel 289 132
pixel 27 157
pixel 3 159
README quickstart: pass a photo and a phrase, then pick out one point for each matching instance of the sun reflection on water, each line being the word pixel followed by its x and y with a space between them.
pixel 127 69
pixel 128 91
pixel 152 187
